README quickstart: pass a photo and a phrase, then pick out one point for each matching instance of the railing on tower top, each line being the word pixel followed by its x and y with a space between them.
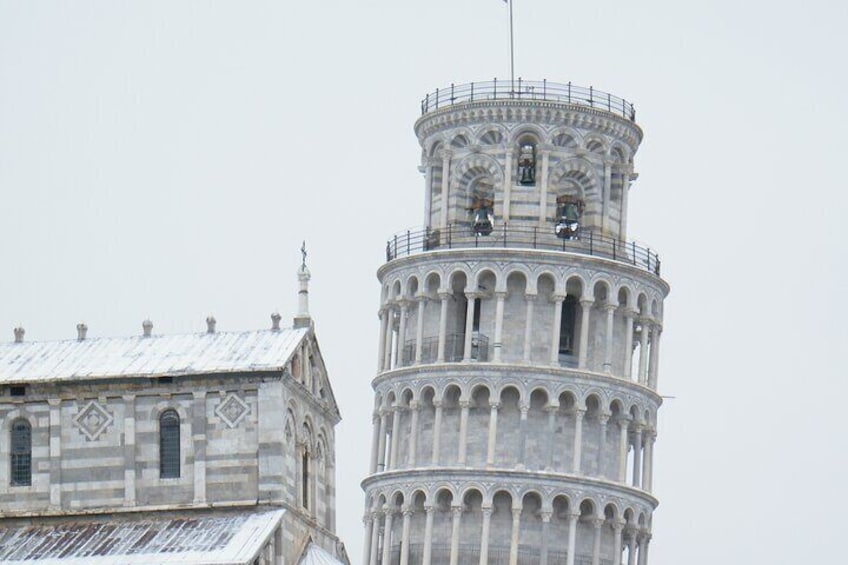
pixel 527 90
pixel 461 236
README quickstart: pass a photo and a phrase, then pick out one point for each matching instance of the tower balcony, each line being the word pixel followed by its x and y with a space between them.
pixel 462 236
pixel 524 90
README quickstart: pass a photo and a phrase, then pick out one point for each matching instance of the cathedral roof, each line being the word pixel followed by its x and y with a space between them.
pixel 231 538
pixel 148 356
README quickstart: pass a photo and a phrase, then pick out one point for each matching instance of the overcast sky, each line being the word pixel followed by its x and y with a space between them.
pixel 165 159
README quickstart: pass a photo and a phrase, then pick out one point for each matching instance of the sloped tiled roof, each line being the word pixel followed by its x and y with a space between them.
pixel 232 538
pixel 152 356
pixel 315 555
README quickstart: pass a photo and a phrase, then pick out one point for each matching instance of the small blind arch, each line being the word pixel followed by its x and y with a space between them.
pixel 169 444
pixel 21 453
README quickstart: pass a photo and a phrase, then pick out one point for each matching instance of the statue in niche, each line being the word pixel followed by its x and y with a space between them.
pixel 527 165
pixel 569 210
pixel 483 222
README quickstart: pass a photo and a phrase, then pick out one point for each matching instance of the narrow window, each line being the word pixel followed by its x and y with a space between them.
pixel 305 482
pixel 21 460
pixel 566 327
pixel 169 445
pixel 476 323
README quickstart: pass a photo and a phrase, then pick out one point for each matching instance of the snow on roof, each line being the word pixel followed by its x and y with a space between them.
pixel 315 555
pixel 206 539
pixel 150 356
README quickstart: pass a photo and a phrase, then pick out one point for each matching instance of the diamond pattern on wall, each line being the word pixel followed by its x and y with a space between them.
pixel 93 420
pixel 232 410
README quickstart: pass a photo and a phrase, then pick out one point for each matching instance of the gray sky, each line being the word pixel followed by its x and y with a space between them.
pixel 165 159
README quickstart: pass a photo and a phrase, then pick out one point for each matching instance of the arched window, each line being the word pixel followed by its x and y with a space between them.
pixel 567 325
pixel 305 474
pixel 21 460
pixel 526 161
pixel 169 445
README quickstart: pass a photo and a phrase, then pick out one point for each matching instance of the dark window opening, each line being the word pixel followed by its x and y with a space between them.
pixel 21 453
pixel 165 380
pixel 566 325
pixel 475 326
pixel 169 445
pixel 18 390
pixel 305 482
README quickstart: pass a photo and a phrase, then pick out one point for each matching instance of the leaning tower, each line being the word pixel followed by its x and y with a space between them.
pixel 516 392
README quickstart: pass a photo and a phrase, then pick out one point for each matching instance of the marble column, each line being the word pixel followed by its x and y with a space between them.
pixel 446 162
pixel 637 456
pixel 484 537
pixel 603 420
pixel 499 319
pixel 617 528
pixel 579 413
pixel 585 311
pixel 543 192
pixel 463 430
pixel 381 444
pixel 551 409
pixel 655 356
pixel 608 346
pixel 596 546
pixel 413 433
pixel 387 535
pixel 513 545
pixel 456 512
pixel 404 537
pixel 623 424
pixel 428 534
pixel 629 315
pixel 522 436
pixel 572 537
pixel 643 351
pixel 368 521
pixel 546 528
pixel 437 431
pixel 419 330
pixel 393 449
pixel 530 299
pixel 375 441
pixel 631 547
pixel 557 300
pixel 400 343
pixel 443 325
pixel 644 540
pixel 381 346
pixel 493 432
pixel 648 461
pixel 471 303
pixel 375 537
pixel 387 347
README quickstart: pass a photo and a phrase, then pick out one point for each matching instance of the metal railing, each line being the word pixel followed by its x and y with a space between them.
pixel 461 236
pixel 527 90
pixel 454 349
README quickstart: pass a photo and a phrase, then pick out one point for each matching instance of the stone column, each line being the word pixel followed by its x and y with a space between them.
pixel 552 409
pixel 446 160
pixel 427 169
pixel 628 343
pixel 528 327
pixel 393 450
pixel 404 537
pixel 387 535
pixel 375 537
pixel 456 511
pixel 648 463
pixel 368 521
pixel 585 310
pixel 400 344
pixel 643 353
pixel 623 424
pixel 596 546
pixel 381 346
pixel 572 537
pixel 437 430
pixel 546 526
pixel 644 540
pixel 631 547
pixel 463 430
pixel 625 195
pixel 499 319
pixel 610 309
pixel 381 444
pixel 493 432
pixel 606 196
pixel 522 436
pixel 617 527
pixel 655 356
pixel 443 326
pixel 375 442
pixel 637 455
pixel 603 419
pixel 484 537
pixel 419 331
pixel 129 450
pixel 578 439
pixel 413 433
pixel 543 192
pixel 387 348
pixel 516 525
pixel 428 534
pixel 471 303
pixel 557 299
pixel 55 450
pixel 507 189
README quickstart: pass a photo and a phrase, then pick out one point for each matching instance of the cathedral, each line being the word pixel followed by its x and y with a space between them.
pixel 210 448
pixel 515 400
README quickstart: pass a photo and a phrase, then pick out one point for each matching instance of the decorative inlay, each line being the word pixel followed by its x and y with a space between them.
pixel 93 420
pixel 232 410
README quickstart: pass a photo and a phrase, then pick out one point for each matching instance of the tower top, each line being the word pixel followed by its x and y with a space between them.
pixel 303 319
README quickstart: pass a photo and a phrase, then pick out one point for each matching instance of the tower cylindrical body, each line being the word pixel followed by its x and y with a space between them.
pixel 515 397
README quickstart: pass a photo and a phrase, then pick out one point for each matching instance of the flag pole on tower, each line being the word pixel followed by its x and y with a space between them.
pixel 511 50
